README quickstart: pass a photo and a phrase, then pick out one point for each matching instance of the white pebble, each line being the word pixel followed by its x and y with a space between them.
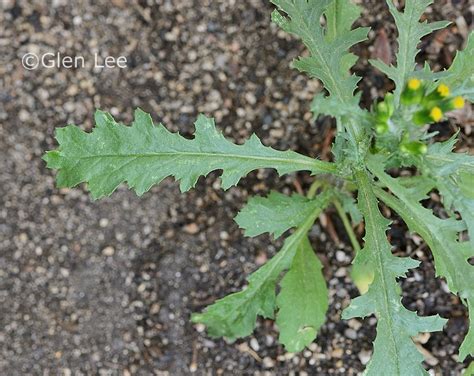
pixel 254 344
pixel 108 251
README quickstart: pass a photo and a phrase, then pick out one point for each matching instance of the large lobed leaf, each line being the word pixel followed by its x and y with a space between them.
pixel 234 316
pixel 442 236
pixel 410 32
pixel 143 154
pixel 394 351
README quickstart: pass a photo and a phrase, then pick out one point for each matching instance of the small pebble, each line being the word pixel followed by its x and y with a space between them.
pixel 104 222
pixel 191 228
pixel 341 256
pixel 364 356
pixel 108 251
pixel 350 333
pixel 268 362
pixel 337 353
pixel 254 344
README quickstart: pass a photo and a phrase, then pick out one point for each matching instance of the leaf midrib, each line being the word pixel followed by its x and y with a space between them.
pixel 404 62
pixel 364 184
pixel 327 166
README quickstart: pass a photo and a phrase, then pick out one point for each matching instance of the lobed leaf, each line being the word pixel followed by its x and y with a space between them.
pixel 302 301
pixel 441 160
pixel 394 351
pixel 340 16
pixel 460 76
pixel 450 255
pixel 329 60
pixel 330 106
pixel 410 32
pixel 275 214
pixel 453 175
pixel 144 154
pixel 234 316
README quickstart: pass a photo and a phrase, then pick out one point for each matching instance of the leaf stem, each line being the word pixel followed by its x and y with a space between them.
pixel 313 188
pixel 347 225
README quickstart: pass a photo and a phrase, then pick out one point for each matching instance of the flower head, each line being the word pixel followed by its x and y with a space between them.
pixel 414 84
pixel 458 103
pixel 443 90
pixel 436 113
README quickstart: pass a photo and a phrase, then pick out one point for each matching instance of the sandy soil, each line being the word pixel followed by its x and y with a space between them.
pixel 107 287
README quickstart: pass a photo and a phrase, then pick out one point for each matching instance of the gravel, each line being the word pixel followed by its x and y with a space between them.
pixel 107 287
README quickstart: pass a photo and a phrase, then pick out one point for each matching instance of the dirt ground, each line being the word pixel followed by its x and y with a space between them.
pixel 107 287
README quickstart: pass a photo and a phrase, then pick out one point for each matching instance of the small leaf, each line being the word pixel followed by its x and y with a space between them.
pixel 275 214
pixel 302 301
pixel 234 316
pixel 144 154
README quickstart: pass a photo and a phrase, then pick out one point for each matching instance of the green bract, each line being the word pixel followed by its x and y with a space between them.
pixel 291 287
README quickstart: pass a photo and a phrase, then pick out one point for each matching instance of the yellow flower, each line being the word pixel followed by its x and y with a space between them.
pixel 458 102
pixel 414 84
pixel 443 90
pixel 436 114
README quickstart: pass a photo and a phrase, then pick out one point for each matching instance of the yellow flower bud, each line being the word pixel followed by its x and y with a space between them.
pixel 458 103
pixel 436 113
pixel 443 90
pixel 414 84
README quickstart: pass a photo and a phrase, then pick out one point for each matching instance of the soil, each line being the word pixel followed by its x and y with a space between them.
pixel 107 287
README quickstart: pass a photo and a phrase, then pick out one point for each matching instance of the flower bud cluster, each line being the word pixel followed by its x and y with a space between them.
pixel 432 105
pixel 424 107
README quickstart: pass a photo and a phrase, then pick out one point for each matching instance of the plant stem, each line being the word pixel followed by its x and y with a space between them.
pixel 347 225
pixel 313 188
